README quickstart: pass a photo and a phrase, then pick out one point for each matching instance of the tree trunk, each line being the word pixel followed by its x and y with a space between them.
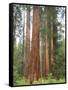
pixel 27 43
pixel 52 60
pixel 46 48
pixel 53 38
pixel 34 73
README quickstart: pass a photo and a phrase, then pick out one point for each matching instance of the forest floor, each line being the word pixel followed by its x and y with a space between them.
pixel 40 81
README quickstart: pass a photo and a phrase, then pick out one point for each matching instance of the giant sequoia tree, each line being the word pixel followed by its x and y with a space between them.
pixel 34 72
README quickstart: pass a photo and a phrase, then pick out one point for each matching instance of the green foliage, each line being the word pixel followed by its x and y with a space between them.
pixel 43 33
pixel 23 81
pixel 18 64
pixel 59 67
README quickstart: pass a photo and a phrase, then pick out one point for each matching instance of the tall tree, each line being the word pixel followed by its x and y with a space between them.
pixel 34 73
pixel 53 37
pixel 27 41
pixel 46 59
pixel 51 15
pixel 42 42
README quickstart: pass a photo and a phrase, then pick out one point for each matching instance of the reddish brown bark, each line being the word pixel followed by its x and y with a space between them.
pixel 34 72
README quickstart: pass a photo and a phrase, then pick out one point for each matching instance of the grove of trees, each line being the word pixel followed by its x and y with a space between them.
pixel 39 44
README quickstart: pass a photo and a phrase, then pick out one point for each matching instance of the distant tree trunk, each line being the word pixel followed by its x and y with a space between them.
pixel 34 73
pixel 42 61
pixel 54 45
pixel 52 38
pixel 46 48
pixel 42 47
pixel 46 58
pixel 52 49
pixel 23 48
pixel 27 57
